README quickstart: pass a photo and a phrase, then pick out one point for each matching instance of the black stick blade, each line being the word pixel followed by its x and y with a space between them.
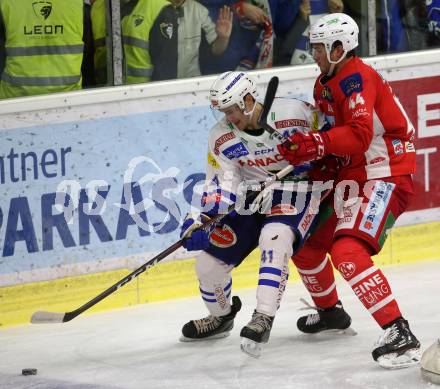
pixel 271 91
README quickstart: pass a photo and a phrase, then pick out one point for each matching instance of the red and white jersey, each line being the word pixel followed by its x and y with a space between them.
pixel 235 156
pixel 370 125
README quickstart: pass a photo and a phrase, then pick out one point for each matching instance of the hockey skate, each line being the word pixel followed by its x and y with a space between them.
pixel 255 333
pixel 327 320
pixel 211 327
pixel 397 347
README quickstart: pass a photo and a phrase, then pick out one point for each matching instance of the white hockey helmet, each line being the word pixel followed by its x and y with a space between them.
pixel 231 88
pixel 335 27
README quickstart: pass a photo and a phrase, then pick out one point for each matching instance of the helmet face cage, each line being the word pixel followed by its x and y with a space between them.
pixel 231 88
pixel 335 27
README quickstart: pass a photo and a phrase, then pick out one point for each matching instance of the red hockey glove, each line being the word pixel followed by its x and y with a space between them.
pixel 325 169
pixel 304 147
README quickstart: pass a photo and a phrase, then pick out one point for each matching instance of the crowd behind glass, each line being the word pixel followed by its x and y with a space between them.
pixel 63 45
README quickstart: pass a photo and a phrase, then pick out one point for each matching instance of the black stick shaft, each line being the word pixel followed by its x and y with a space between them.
pixel 271 92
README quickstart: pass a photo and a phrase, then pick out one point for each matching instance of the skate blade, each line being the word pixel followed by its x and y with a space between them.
pixel 393 361
pixel 251 347
pixel 348 331
pixel 212 337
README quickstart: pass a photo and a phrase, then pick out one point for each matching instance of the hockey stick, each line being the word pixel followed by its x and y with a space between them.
pixel 271 91
pixel 62 317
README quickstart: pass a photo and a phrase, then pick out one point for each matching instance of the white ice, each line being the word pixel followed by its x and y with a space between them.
pixel 138 347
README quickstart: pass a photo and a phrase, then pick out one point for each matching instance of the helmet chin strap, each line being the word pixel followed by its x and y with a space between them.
pixel 334 63
pixel 251 112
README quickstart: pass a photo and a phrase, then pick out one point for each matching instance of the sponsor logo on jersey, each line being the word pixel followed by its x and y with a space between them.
pixel 326 94
pixel 223 236
pixel 315 121
pixel 331 120
pixel 291 123
pixel 212 161
pixel 347 269
pixel 264 151
pixel 376 160
pixel 376 207
pixel 347 215
pixel 397 146
pixel 283 209
pixel 235 151
pixel 360 112
pixel 262 162
pixel 354 101
pixel 223 139
pixel 409 147
pixel 306 221
pixel 351 84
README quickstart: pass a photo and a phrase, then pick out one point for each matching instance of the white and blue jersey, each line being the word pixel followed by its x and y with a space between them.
pixel 237 157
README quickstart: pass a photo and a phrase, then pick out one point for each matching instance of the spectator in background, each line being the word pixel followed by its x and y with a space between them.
pixel 309 12
pixel 136 37
pixel 176 38
pixel 43 46
pixel 98 16
pixel 253 42
pixel 433 18
pixel 260 54
pixel 401 25
pixel 391 34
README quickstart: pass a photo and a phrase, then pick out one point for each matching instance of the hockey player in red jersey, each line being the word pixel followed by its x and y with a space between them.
pixel 374 137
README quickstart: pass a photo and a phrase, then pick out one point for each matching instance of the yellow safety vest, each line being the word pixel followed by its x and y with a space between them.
pixel 44 46
pixel 135 38
pixel 97 15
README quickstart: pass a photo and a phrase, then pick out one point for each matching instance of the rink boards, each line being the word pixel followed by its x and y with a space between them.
pixel 177 279
pixel 104 148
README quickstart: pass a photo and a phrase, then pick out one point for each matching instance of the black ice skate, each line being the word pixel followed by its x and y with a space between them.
pixel 211 327
pixel 397 347
pixel 333 319
pixel 256 332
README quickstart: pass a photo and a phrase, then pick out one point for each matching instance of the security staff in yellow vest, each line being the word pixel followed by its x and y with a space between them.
pixel 135 37
pixel 43 44
pixel 99 32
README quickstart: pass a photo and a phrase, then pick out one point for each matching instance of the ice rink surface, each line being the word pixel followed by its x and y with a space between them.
pixel 138 347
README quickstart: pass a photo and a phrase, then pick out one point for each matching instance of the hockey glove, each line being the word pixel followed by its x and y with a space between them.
pixel 325 169
pixel 195 238
pixel 304 147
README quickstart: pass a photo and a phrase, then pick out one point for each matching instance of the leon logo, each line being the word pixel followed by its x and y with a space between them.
pixel 138 20
pixel 42 9
pixel 223 237
pixel 347 269
pixel 166 30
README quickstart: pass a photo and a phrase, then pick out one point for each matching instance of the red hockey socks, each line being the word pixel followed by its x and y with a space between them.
pixel 351 256
pixel 316 272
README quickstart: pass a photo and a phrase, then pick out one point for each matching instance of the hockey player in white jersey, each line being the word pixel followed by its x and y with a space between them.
pixel 241 152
